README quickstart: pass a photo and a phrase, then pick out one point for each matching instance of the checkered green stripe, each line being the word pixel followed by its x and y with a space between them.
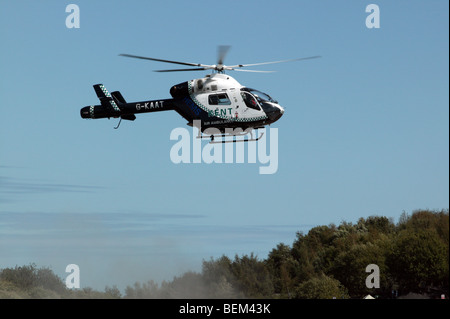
pixel 112 102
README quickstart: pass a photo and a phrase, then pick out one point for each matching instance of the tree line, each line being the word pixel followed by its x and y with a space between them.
pixel 327 262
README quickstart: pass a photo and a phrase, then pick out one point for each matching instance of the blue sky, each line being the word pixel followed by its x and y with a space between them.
pixel 365 130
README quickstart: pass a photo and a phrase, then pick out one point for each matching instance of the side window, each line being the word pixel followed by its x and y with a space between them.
pixel 250 101
pixel 213 99
pixel 219 99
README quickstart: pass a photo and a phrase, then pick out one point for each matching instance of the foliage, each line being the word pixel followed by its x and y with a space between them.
pixel 32 282
pixel 321 287
pixel 418 259
pixel 329 261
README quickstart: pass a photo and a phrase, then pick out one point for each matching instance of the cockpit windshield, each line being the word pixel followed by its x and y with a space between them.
pixel 260 96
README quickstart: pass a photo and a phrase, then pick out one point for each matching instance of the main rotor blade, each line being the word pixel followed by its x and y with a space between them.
pixel 253 71
pixel 179 70
pixel 160 60
pixel 273 62
pixel 222 51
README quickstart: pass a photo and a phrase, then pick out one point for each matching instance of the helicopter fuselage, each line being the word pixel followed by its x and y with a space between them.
pixel 217 100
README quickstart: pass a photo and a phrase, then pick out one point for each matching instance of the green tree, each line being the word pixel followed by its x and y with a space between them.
pixel 350 268
pixel 283 268
pixel 245 276
pixel 189 285
pixel 376 226
pixel 216 270
pixel 47 279
pixel 146 290
pixel 252 276
pixel 418 259
pixel 23 277
pixel 112 292
pixel 321 287
pixel 219 278
pixel 305 255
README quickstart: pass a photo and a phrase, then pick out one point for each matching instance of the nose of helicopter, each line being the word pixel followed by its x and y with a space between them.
pixel 273 111
pixel 278 112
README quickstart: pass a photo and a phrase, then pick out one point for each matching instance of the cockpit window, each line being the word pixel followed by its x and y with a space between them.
pixel 250 100
pixel 260 96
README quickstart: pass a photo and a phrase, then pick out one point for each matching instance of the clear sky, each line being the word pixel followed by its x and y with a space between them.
pixel 365 132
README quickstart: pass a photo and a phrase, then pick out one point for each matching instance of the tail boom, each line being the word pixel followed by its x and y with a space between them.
pixel 114 105
pixel 126 110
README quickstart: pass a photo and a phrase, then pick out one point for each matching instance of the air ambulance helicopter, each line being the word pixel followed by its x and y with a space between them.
pixel 214 101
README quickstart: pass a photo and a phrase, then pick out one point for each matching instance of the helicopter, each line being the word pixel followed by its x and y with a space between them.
pixel 216 100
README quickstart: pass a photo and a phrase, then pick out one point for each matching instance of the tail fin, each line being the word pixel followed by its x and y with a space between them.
pixel 106 98
pixel 117 96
